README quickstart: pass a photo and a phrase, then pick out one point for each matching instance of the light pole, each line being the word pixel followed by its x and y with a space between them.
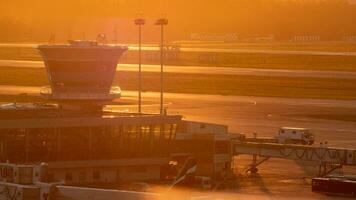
pixel 139 22
pixel 161 22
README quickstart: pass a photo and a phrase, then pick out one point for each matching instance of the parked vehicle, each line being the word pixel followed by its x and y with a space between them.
pixel 289 135
pixel 335 186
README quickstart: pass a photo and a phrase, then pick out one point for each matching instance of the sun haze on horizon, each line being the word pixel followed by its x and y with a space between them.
pixel 35 20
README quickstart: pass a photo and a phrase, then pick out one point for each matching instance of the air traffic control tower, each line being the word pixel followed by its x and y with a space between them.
pixel 81 74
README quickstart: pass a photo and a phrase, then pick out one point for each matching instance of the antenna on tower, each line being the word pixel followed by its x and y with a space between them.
pixel 115 41
pixel 52 38
pixel 69 34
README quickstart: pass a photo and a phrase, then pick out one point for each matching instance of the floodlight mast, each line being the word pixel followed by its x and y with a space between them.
pixel 139 22
pixel 162 22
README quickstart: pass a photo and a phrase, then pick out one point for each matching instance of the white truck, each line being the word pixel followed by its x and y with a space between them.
pixel 289 135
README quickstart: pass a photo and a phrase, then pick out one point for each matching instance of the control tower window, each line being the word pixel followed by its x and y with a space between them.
pixel 69 176
pixel 96 175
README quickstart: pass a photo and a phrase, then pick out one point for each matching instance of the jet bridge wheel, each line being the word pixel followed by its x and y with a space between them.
pixel 253 167
pixel 254 170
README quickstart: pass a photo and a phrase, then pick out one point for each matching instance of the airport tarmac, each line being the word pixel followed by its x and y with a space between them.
pixel 263 115
pixel 206 70
pixel 277 178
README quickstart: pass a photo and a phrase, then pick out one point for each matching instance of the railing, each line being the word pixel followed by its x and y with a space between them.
pixel 80 93
pixel 296 152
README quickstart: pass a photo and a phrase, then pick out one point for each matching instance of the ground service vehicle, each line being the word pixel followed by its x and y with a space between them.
pixel 334 186
pixel 288 135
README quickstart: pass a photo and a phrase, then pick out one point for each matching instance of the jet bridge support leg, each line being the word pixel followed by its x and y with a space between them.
pixel 253 167
pixel 325 168
pixel 329 159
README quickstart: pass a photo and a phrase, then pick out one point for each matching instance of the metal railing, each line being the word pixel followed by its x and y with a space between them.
pixel 81 93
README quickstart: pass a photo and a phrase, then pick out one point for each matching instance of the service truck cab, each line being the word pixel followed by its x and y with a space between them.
pixel 289 135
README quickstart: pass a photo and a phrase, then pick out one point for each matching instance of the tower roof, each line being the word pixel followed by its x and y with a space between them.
pixel 81 72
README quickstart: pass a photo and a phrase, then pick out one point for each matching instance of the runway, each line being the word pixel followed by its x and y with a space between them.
pixel 133 47
pixel 206 70
pixel 32 90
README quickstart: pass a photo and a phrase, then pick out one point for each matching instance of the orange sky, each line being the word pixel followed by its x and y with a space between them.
pixel 244 17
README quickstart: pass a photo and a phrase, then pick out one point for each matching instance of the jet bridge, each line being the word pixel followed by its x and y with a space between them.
pixel 329 158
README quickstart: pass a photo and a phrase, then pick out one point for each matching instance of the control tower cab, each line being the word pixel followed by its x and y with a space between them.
pixel 81 74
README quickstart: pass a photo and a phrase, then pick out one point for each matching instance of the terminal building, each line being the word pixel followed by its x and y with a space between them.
pixel 82 143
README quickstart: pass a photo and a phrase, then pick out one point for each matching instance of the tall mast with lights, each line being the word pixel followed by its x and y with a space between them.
pixel 162 22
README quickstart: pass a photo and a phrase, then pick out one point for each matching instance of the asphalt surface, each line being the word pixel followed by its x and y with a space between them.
pixel 217 50
pixel 263 115
pixel 32 90
pixel 268 51
pixel 206 70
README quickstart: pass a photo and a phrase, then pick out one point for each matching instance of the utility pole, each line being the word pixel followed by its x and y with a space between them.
pixel 139 22
pixel 162 22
